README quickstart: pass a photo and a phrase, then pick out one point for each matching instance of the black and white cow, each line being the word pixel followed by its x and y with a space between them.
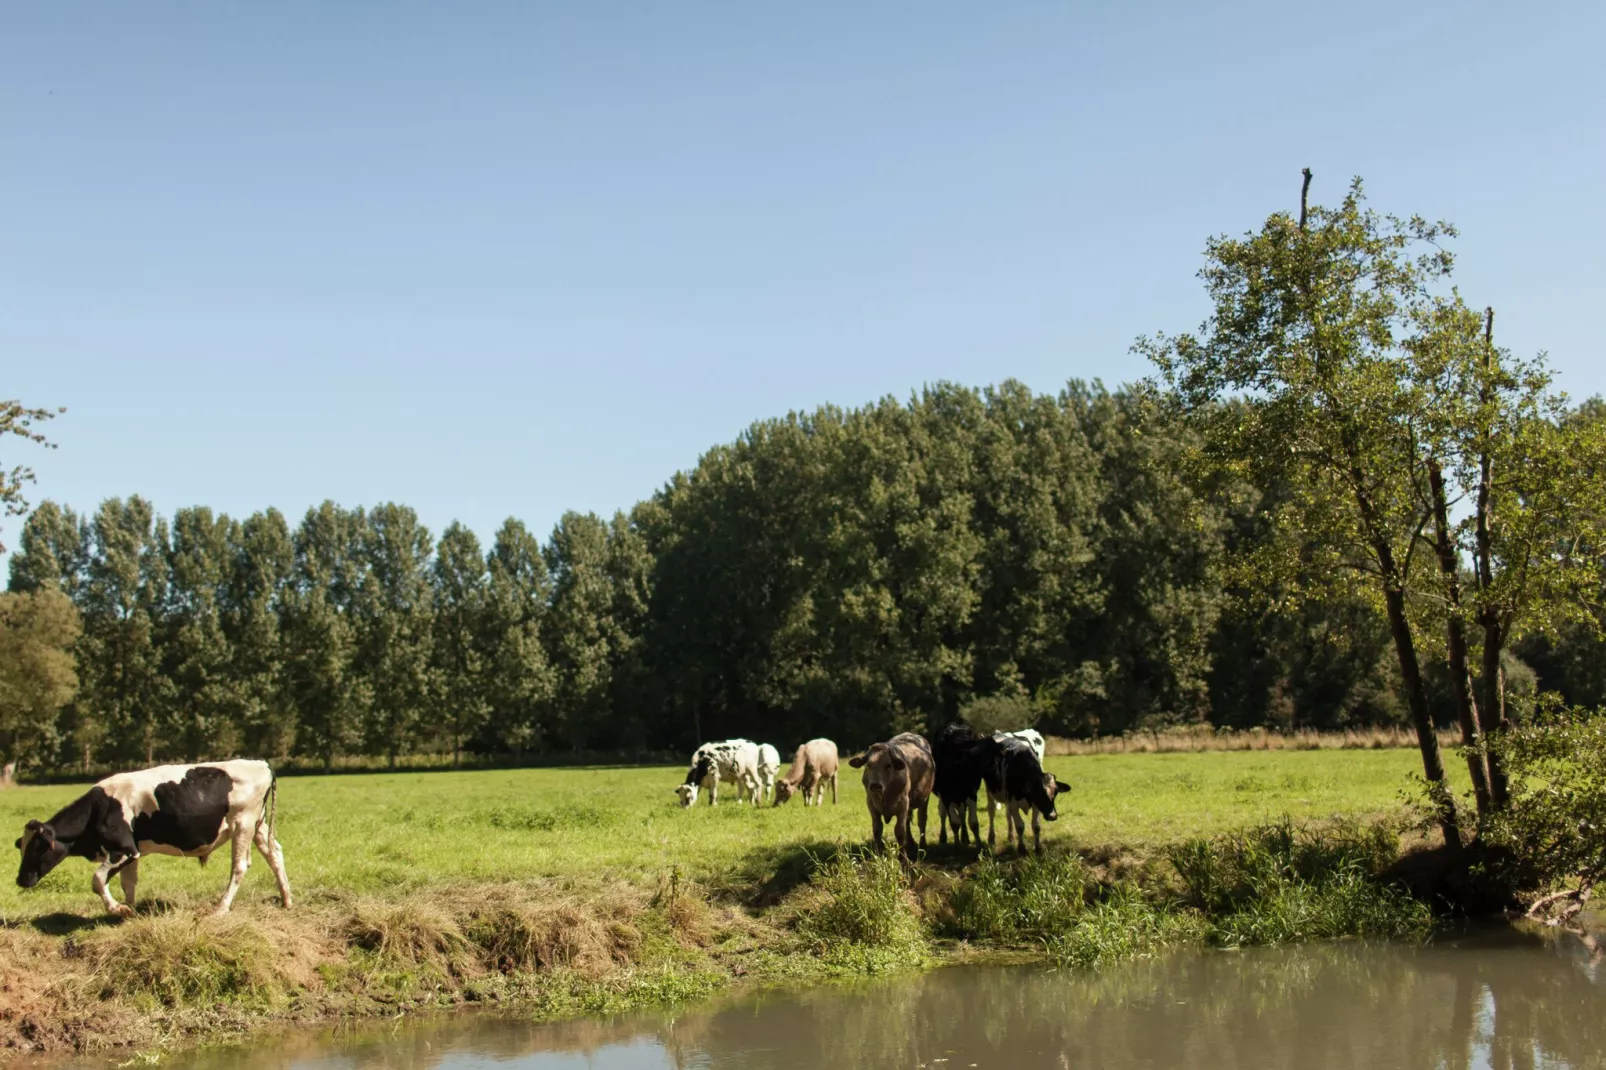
pixel 735 761
pixel 185 810
pixel 964 762
pixel 1017 780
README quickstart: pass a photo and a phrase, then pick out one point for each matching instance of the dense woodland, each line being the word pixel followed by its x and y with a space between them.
pixel 1180 551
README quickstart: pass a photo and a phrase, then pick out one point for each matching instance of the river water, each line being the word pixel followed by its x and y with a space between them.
pixel 1496 1000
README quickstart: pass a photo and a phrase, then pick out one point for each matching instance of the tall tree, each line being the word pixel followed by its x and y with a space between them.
pixel 458 586
pixel 392 613
pixel 319 628
pixel 255 600
pixel 197 659
pixel 521 684
pixel 579 627
pixel 53 552
pixel 38 630
pixel 1309 322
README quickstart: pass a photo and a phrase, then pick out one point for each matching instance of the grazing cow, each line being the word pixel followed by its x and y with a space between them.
pixel 734 761
pixel 814 763
pixel 185 810
pixel 1033 739
pixel 769 764
pixel 963 761
pixel 898 776
pixel 1019 782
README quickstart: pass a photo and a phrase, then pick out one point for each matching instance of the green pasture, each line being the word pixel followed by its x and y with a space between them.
pixel 384 835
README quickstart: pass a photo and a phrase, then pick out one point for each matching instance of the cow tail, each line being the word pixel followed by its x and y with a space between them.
pixel 270 811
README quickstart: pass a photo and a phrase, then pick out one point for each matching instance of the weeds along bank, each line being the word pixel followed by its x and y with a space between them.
pixel 556 892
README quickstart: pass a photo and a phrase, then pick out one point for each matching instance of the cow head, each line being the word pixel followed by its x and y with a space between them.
pixel 783 791
pixel 41 853
pixel 882 765
pixel 1050 789
pixel 687 794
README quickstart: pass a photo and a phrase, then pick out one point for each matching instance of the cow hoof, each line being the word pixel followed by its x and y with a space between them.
pixel 122 910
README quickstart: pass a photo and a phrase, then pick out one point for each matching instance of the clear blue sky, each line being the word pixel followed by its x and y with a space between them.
pixel 491 259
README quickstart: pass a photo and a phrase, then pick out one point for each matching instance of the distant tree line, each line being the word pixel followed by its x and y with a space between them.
pixel 845 573
pixel 1338 505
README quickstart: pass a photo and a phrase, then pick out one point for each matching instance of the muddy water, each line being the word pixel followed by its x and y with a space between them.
pixel 1497 1001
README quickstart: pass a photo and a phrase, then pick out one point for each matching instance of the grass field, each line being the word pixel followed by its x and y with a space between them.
pixel 388 836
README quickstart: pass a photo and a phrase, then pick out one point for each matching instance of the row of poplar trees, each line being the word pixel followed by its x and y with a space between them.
pixel 1338 504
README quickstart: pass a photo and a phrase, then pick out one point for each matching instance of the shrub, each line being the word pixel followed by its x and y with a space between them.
pixel 1553 830
pixel 999 713
pixel 1033 898
pixel 862 902
pixel 1276 882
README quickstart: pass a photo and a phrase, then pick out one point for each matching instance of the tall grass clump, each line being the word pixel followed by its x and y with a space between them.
pixel 172 961
pixel 1121 925
pixel 860 913
pixel 1031 899
pixel 1053 901
pixel 1274 883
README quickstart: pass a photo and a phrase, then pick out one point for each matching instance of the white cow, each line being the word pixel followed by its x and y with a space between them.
pixel 735 761
pixel 769 764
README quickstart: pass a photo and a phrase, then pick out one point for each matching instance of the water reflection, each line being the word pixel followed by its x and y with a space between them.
pixel 1499 1002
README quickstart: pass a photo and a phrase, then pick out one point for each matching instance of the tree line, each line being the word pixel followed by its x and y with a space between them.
pixel 1338 504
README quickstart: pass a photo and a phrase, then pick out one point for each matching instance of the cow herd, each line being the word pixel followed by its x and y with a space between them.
pixel 193 810
pixel 900 777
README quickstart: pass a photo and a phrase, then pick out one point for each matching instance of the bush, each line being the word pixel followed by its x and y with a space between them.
pixel 863 903
pixel 999 713
pixel 1276 882
pixel 1552 834
pixel 1032 899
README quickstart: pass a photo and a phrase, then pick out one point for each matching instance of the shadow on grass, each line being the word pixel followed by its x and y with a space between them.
pixel 767 875
pixel 63 924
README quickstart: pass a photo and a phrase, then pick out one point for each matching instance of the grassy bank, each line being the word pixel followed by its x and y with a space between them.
pixel 565 891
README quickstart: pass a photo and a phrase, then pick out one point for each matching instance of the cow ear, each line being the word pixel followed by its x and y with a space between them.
pixel 899 764
pixel 1060 787
pixel 19 843
pixel 33 826
pixel 857 761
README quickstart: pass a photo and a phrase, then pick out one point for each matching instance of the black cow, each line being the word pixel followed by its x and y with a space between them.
pixel 963 763
pixel 1017 780
pixel 186 810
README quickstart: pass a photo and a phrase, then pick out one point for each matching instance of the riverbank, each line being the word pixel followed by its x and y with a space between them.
pixel 553 893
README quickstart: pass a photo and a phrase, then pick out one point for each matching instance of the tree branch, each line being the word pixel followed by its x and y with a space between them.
pixel 1304 197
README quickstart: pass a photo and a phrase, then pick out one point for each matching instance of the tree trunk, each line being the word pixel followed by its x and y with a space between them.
pixel 1460 671
pixel 1492 709
pixel 1416 695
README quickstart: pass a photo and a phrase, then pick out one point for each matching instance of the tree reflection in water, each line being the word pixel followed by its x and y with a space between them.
pixel 1506 1001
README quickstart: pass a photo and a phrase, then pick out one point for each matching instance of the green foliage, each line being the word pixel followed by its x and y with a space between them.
pixel 18 420
pixel 999 713
pixel 863 912
pixel 1554 828
pixel 37 673
pixel 1122 924
pixel 1279 882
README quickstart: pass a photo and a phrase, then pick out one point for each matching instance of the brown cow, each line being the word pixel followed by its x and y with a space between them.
pixel 898 776
pixel 814 763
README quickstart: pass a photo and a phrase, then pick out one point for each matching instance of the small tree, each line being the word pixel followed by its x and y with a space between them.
pixel 1310 327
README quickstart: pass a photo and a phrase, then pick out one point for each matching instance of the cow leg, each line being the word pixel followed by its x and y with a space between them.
pixel 901 831
pixel 975 826
pixel 129 875
pixel 273 855
pixel 942 824
pixel 875 831
pixel 240 848
pixel 1019 816
pixel 833 789
pixel 1037 831
pixel 920 812
pixel 98 882
pixel 713 791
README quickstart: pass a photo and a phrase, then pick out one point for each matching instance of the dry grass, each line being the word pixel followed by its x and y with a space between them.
pixel 1196 738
